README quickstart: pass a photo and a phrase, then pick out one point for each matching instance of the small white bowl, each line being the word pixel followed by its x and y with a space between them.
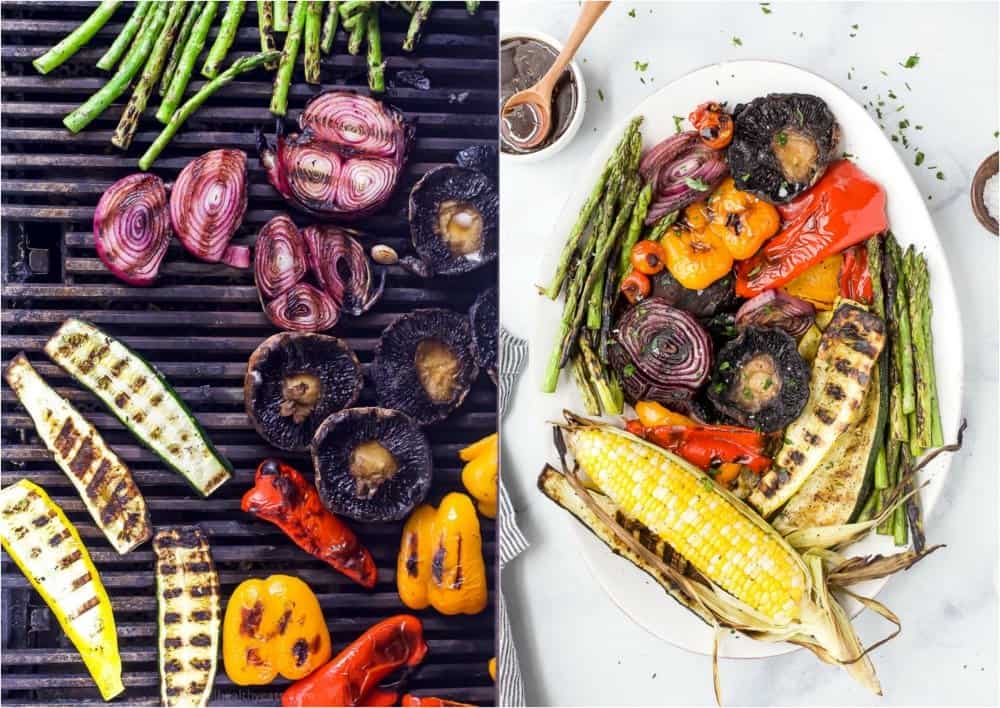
pixel 581 101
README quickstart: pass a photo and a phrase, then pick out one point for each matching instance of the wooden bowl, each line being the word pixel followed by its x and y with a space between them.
pixel 985 171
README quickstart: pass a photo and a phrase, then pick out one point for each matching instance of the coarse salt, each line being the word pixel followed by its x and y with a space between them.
pixel 991 196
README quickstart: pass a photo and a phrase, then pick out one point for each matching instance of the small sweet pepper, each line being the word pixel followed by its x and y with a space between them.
pixel 273 626
pixel 479 476
pixel 440 560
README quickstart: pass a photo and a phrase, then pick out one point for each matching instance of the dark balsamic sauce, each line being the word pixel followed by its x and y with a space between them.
pixel 523 62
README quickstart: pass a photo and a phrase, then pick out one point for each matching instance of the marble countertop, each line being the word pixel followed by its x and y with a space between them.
pixel 576 647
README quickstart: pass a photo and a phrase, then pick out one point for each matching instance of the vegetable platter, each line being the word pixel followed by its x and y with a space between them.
pixel 195 317
pixel 663 118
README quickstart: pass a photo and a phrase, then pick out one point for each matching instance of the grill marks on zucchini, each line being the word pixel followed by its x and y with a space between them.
pixel 103 481
pixel 48 550
pixel 841 377
pixel 141 399
pixel 190 615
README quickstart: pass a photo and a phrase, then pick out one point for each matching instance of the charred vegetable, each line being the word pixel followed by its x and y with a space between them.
pixel 347 159
pixel 706 302
pixel 103 481
pixel 207 204
pixel 842 374
pixel 682 170
pixel 132 228
pixel 660 352
pixel 294 381
pixel 141 399
pixel 338 263
pixel 484 158
pixel 773 308
pixel 453 221
pixel 760 380
pixel 424 364
pixel 782 145
pixel 372 464
pixel 285 498
pixel 273 626
pixel 485 319
pixel 190 615
pixel 47 548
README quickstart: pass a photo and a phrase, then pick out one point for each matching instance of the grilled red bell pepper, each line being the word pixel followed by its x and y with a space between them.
pixel 416 701
pixel 844 208
pixel 855 280
pixel 285 498
pixel 708 446
pixel 352 678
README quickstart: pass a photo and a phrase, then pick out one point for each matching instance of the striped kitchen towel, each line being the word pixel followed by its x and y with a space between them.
pixel 510 687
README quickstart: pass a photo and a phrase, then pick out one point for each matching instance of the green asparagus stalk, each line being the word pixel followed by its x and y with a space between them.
pixel 661 226
pixel 472 6
pixel 898 430
pixel 75 40
pixel 185 65
pixel 122 42
pixel 868 510
pixel 409 5
pixel 358 25
pixel 137 40
pixel 573 290
pixel 314 19
pixel 280 15
pixel 587 392
pixel 240 66
pixel 419 16
pixel 376 67
pixel 290 52
pixel 224 39
pixel 918 301
pixel 193 13
pixel 265 27
pixel 129 121
pixel 926 350
pixel 881 470
pixel 899 530
pixel 903 320
pixel 595 372
pixel 330 27
pixel 593 201
pixel 106 95
pixel 606 222
pixel 353 7
pixel 634 232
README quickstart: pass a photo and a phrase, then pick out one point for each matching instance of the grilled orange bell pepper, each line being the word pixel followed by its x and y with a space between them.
pixel 272 627
pixel 696 255
pixel 819 284
pixel 440 560
pixel 742 220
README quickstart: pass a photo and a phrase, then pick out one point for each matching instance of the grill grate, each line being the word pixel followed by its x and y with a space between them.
pixel 199 326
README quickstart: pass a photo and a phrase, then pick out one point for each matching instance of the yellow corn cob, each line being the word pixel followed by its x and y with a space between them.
pixel 685 508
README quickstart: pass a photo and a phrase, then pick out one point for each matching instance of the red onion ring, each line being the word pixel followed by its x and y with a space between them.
pixel 280 256
pixel 132 228
pixel 362 124
pixel 673 165
pixel 365 183
pixel 303 308
pixel 341 266
pixel 207 204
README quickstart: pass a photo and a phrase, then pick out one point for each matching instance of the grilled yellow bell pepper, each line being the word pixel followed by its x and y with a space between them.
pixel 479 476
pixel 440 562
pixel 272 627
pixel 47 548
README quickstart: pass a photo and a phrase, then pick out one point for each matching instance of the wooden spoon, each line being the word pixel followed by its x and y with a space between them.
pixel 539 97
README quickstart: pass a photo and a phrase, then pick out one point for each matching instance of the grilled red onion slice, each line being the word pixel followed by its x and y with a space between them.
pixel 132 228
pixel 347 160
pixel 341 266
pixel 682 170
pixel 207 204
pixel 773 308
pixel 280 256
pixel 667 349
pixel 303 308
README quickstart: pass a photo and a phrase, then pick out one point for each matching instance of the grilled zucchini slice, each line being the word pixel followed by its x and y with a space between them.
pixel 190 615
pixel 47 548
pixel 101 478
pixel 841 377
pixel 835 492
pixel 141 399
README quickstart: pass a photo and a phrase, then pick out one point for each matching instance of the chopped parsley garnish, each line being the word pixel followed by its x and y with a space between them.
pixel 904 124
pixel 677 123
pixel 640 65
pixel 940 175
pixel 629 369
pixel 695 183
pixel 719 387
pixel 706 483
pixel 847 156
pixel 802 118
pixel 996 133
pixel 891 94
pixel 764 8
pixel 782 139
pixel 755 270
pixel 745 176
pixel 911 61
pixel 631 13
pixel 725 366
pixel 919 159
pixel 737 42
pixel 854 27
pixel 768 383
pixel 747 394
pixel 600 94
